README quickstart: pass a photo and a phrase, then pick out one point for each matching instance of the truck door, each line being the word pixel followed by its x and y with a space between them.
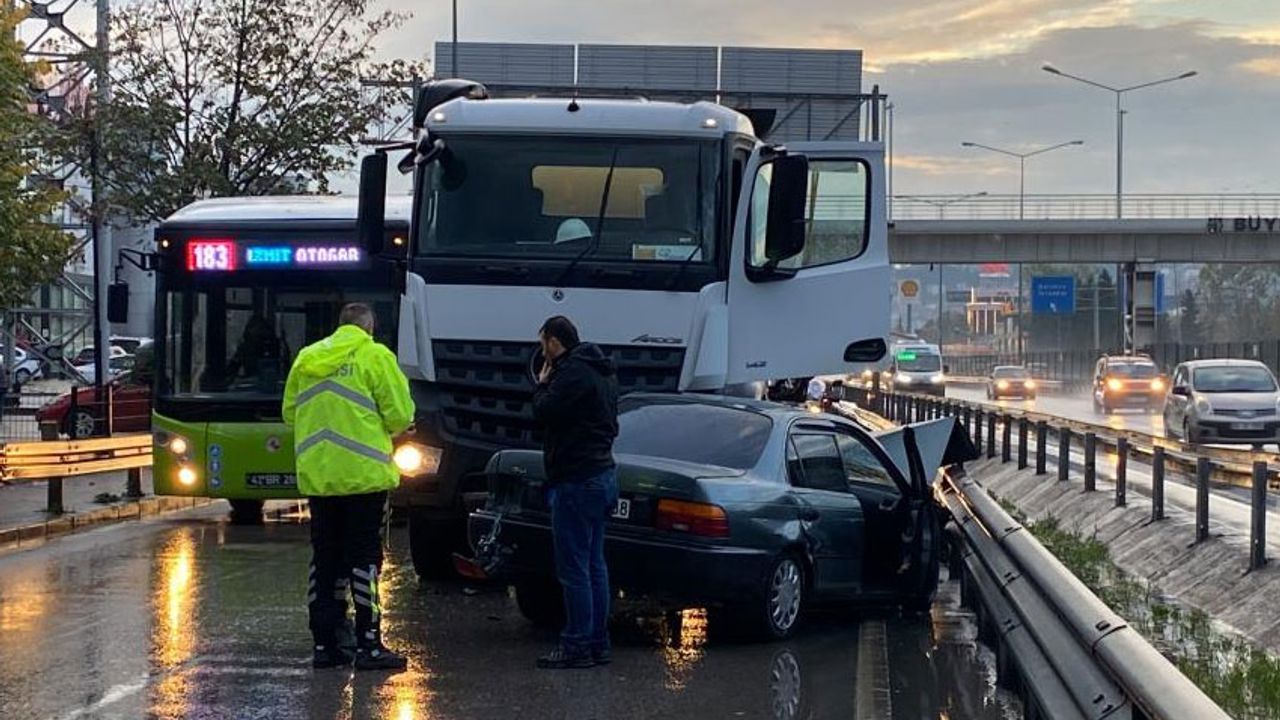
pixel 799 316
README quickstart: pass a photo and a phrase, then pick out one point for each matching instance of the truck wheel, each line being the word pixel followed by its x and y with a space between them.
pixel 431 545
pixel 246 512
pixel 541 602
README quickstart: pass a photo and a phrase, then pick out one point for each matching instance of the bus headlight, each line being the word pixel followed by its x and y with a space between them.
pixel 413 459
pixel 178 445
pixel 187 475
pixel 172 442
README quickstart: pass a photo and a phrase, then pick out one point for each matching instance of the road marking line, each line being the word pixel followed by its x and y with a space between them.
pixel 113 695
pixel 872 692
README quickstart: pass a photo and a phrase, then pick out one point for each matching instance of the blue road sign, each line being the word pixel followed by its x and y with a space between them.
pixel 1053 295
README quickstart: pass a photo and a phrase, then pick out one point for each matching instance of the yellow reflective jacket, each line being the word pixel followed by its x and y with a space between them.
pixel 345 400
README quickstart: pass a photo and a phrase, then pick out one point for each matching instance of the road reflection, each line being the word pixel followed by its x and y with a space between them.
pixel 175 614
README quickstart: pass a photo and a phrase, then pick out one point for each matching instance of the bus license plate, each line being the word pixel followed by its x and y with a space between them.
pixel 1246 426
pixel 621 510
pixel 271 480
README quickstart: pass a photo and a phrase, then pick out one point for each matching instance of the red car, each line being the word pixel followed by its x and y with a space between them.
pixel 132 411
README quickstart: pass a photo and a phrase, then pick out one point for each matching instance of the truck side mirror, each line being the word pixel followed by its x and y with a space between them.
pixel 788 213
pixel 371 217
pixel 118 302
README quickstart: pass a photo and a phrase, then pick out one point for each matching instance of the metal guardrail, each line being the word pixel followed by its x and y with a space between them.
pixel 54 461
pixel 1003 431
pixel 1073 655
pixel 1084 206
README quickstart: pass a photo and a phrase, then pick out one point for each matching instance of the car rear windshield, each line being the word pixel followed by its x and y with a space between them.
pixel 692 432
pixel 1010 372
pixel 1132 370
pixel 1233 379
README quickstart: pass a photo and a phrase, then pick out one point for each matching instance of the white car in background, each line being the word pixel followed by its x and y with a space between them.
pixel 26 367
pixel 1223 401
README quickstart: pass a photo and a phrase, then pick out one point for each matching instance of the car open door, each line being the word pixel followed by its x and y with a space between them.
pixel 809 271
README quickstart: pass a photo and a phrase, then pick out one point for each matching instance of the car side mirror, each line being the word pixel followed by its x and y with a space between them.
pixel 1181 391
pixel 788 212
pixel 118 302
pixel 371 217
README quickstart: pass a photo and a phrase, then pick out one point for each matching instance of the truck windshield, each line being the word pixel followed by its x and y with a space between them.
pixel 509 197
pixel 238 341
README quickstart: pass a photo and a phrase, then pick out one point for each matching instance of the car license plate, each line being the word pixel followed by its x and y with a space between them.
pixel 1246 426
pixel 621 510
pixel 271 480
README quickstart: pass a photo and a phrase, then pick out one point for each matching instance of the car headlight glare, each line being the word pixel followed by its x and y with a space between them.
pixel 1002 384
pixel 1157 385
pixel 413 459
pixel 904 379
pixel 1029 384
pixel 937 379
pixel 1114 385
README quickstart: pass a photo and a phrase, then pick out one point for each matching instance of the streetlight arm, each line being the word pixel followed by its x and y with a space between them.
pixel 1183 76
pixel 1077 78
pixel 992 149
pixel 1053 147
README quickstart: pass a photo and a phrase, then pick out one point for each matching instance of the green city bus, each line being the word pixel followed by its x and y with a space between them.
pixel 243 284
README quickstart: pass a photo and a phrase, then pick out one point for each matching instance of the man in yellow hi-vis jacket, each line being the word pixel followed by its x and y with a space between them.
pixel 347 400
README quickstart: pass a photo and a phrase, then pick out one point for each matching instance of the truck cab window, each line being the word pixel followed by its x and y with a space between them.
pixel 838 214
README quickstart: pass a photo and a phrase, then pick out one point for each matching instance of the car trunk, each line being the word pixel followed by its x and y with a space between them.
pixel 518 486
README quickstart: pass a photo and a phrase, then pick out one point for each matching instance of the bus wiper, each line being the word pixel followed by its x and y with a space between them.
pixel 595 235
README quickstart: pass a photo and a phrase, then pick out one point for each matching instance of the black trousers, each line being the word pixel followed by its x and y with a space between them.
pixel 346 547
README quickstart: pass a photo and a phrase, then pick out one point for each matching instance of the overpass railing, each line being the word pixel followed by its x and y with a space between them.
pixel 1083 206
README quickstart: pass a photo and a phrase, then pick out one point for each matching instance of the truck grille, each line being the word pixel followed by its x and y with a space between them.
pixel 485 390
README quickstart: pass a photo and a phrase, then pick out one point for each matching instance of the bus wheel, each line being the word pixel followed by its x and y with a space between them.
pixel 246 512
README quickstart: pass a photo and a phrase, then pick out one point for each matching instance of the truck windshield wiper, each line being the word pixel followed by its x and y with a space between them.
pixel 686 262
pixel 595 234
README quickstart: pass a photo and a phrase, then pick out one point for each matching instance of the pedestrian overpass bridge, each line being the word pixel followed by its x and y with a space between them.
pixel 1077 229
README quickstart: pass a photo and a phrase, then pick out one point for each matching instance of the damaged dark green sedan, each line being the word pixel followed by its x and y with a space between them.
pixel 754 510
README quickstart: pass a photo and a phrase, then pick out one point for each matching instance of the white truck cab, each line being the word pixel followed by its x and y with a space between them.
pixel 698 256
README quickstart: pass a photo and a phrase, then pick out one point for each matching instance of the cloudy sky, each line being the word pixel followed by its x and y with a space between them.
pixel 970 70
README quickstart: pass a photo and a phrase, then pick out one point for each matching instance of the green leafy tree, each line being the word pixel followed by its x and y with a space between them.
pixel 32 249
pixel 215 98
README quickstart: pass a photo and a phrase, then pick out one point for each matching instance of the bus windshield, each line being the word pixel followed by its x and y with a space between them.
pixel 614 199
pixel 237 340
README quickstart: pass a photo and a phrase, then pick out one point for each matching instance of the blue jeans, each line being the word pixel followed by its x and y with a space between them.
pixel 579 511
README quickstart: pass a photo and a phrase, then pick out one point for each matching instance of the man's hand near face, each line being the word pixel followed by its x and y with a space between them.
pixel 545 374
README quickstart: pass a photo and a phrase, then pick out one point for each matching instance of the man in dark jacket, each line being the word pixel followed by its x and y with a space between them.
pixel 576 402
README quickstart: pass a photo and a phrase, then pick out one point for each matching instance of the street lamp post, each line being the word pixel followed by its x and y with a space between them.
pixel 1119 92
pixel 1022 165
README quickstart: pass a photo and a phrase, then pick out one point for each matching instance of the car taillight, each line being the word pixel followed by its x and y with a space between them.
pixel 692 517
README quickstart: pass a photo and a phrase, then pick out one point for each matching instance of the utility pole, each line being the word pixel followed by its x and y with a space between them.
pixel 101 228
pixel 1022 166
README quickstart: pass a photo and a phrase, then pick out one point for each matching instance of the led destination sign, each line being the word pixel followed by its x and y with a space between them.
pixel 230 255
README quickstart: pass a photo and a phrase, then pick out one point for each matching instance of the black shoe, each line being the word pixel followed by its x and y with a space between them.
pixel 324 657
pixel 379 658
pixel 601 657
pixel 558 659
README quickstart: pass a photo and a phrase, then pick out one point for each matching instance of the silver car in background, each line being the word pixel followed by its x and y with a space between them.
pixel 1223 401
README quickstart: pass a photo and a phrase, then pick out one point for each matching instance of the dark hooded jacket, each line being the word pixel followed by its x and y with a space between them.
pixel 578 410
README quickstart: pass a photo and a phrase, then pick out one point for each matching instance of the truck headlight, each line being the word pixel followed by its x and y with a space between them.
pixel 413 459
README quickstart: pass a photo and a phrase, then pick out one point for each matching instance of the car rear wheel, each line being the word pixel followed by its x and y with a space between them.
pixel 541 602
pixel 776 614
pixel 246 512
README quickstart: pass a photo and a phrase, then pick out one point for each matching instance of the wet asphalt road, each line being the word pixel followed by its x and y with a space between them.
pixel 192 618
